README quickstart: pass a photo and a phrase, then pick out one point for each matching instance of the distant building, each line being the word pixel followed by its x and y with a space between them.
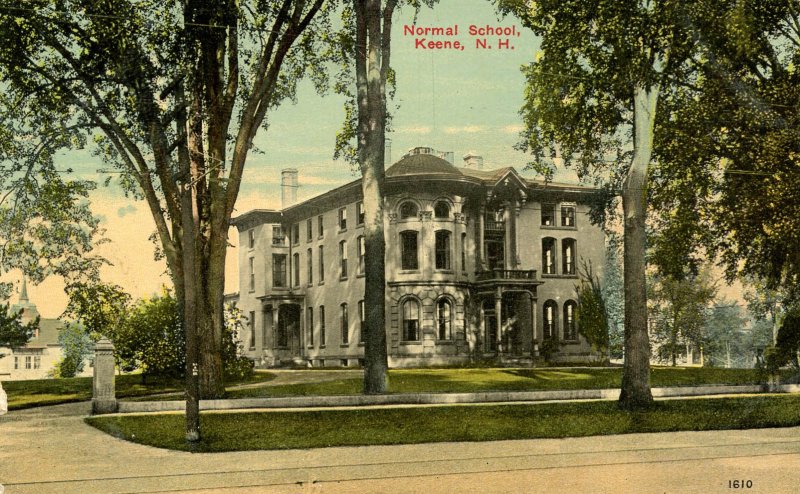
pixel 480 264
pixel 39 356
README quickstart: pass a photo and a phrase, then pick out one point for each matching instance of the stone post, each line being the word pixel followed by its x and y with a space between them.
pixel 103 397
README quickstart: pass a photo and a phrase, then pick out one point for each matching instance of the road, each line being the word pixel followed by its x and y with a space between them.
pixel 51 450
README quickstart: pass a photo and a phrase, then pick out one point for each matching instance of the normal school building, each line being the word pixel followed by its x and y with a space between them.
pixel 481 265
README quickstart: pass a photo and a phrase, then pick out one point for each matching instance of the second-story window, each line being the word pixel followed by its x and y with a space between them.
pixel 441 210
pixel 343 258
pixel 408 210
pixel 548 214
pixel 320 226
pixel 310 266
pixel 279 270
pixel 296 233
pixel 296 268
pixel 442 249
pixel 408 247
pixel 343 219
pixel 309 229
pixel 361 248
pixel 548 255
pixel 278 238
pixel 252 273
pixel 568 216
pixel 360 213
pixel 463 252
pixel 251 238
pixel 568 256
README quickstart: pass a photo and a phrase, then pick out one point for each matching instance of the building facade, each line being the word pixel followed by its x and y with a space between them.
pixel 480 265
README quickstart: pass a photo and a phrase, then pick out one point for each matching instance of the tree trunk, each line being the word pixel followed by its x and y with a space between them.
pixel 373 44
pixel 635 392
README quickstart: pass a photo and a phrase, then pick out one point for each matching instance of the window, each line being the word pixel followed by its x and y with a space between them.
pixel 309 230
pixel 570 326
pixel 568 256
pixel 408 246
pixel 278 238
pixel 296 268
pixel 28 362
pixel 251 238
pixel 322 325
pixel 443 319
pixel 343 258
pixel 441 210
pixel 37 361
pixel 548 255
pixel 279 270
pixel 296 233
pixel 442 249
pixel 408 210
pixel 321 262
pixel 548 214
pixel 344 323
pixel 361 246
pixel 251 324
pixel 361 321
pixel 343 219
pixel 310 325
pixel 360 213
pixel 310 266
pixel 549 318
pixel 410 320
pixel 320 226
pixel 568 216
pixel 16 363
pixel 251 269
pixel 463 252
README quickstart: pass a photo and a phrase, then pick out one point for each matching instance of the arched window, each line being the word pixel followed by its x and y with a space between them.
pixel 444 319
pixel 408 210
pixel 550 311
pixel 568 250
pixel 441 210
pixel 410 320
pixel 296 259
pixel 408 250
pixel 345 324
pixel 570 324
pixel 442 249
pixel 548 255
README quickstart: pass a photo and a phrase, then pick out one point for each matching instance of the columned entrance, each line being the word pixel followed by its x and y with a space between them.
pixel 283 333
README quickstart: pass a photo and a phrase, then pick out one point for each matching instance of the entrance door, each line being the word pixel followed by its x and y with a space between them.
pixel 490 323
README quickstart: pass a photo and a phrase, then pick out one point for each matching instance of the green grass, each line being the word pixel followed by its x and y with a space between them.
pixel 481 380
pixel 41 392
pixel 242 431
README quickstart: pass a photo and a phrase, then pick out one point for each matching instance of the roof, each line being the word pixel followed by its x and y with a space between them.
pixel 256 217
pixel 48 334
pixel 422 164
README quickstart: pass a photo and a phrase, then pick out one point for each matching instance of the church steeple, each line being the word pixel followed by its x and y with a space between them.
pixel 23 295
pixel 24 306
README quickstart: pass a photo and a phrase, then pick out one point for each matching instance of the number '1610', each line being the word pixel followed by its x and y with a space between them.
pixel 740 484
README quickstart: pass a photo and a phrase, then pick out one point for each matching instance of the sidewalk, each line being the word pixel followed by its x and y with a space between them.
pixel 51 450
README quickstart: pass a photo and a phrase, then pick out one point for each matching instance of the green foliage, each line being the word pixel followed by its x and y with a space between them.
pixel 235 365
pixel 678 312
pixel 548 349
pixel 98 306
pixel 592 316
pixel 788 344
pixel 151 337
pixel 13 333
pixel 613 294
pixel 76 347
pixel 725 339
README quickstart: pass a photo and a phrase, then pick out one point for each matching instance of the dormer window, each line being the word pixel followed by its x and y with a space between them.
pixel 408 210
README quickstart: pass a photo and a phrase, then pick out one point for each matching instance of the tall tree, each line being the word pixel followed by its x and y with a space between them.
pixel 592 99
pixel 174 95
pixel 725 339
pixel 13 332
pixel 371 28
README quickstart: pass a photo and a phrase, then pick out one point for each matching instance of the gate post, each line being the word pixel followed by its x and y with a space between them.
pixel 103 393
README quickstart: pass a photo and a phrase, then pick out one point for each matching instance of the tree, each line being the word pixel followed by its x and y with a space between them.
pixel 679 308
pixel 592 315
pixel 76 346
pixel 99 307
pixel 592 100
pixel 725 338
pixel 614 297
pixel 173 95
pixel 366 123
pixel 13 333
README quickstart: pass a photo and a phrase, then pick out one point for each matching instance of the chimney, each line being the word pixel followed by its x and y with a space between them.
pixel 288 187
pixel 387 154
pixel 472 160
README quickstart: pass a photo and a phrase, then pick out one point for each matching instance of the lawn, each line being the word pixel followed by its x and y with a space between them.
pixel 40 392
pixel 482 379
pixel 240 431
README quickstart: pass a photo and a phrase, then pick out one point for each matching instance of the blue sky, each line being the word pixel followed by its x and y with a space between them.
pixel 456 101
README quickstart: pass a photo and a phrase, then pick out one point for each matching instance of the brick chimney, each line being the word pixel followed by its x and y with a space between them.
pixel 472 160
pixel 288 187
